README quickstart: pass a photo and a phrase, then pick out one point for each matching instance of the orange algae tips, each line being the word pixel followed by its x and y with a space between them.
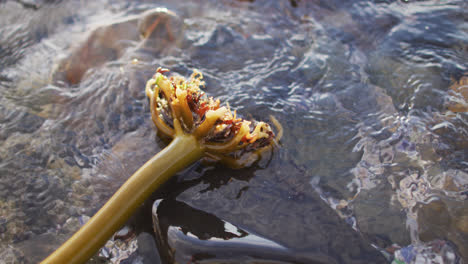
pixel 179 106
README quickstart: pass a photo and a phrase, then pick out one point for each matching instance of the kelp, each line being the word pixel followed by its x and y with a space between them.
pixel 200 128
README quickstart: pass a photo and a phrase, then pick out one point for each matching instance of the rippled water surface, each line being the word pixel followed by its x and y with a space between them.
pixel 372 95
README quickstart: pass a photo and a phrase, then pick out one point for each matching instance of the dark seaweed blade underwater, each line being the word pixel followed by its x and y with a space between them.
pixel 372 96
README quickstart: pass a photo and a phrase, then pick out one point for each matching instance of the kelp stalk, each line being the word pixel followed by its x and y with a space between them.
pixel 200 128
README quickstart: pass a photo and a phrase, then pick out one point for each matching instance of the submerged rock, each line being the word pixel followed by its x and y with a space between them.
pixel 187 234
pixel 444 219
pixel 371 95
pixel 433 252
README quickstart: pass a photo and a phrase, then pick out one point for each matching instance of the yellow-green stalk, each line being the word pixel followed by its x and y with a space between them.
pixel 200 128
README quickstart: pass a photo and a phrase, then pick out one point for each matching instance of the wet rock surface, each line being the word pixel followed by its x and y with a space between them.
pixel 371 94
pixel 188 234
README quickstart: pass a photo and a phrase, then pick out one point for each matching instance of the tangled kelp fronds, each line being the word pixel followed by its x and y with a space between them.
pixel 180 106
pixel 200 128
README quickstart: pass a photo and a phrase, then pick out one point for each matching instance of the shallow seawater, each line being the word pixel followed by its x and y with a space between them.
pixel 372 96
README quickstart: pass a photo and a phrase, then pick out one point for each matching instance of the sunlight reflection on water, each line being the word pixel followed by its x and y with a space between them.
pixel 371 95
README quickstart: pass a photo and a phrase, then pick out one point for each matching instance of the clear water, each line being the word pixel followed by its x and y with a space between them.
pixel 372 96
